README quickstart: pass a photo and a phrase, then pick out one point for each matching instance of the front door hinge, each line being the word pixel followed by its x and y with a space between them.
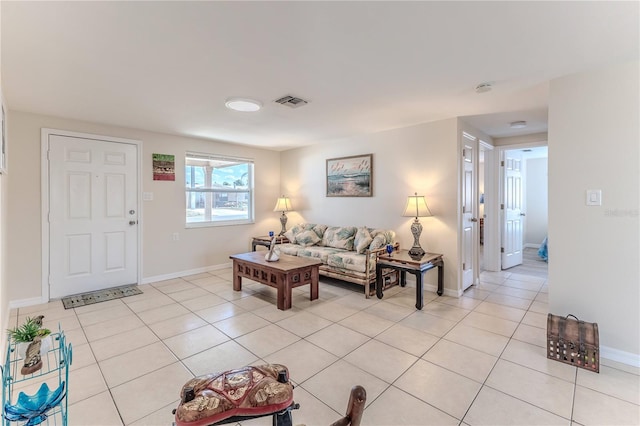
pixel 502 163
pixel 501 206
pixel 501 249
pixel 464 266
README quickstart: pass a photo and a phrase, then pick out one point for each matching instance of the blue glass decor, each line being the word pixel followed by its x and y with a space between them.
pixel 33 409
pixel 389 249
pixel 271 233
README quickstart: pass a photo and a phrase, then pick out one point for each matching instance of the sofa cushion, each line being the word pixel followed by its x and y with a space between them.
pixel 307 238
pixel 362 240
pixel 378 241
pixel 289 248
pixel 339 237
pixel 317 252
pixel 381 237
pixel 291 233
pixel 349 260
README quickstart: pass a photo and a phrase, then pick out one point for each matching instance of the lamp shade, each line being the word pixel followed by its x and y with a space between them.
pixel 416 207
pixel 283 205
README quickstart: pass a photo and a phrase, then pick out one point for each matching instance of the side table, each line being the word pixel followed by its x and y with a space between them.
pixel 266 241
pixel 400 260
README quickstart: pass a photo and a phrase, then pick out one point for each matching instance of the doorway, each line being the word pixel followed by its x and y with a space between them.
pixel 91 235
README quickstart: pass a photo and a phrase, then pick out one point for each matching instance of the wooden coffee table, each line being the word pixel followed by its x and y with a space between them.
pixel 284 275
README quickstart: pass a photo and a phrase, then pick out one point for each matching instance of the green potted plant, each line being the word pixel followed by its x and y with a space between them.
pixel 24 334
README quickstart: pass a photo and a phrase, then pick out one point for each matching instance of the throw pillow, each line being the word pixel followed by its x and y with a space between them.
pixel 307 238
pixel 362 240
pixel 291 233
pixel 378 241
pixel 339 237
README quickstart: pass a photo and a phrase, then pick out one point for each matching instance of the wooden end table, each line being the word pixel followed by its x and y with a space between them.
pixel 400 260
pixel 283 275
pixel 266 241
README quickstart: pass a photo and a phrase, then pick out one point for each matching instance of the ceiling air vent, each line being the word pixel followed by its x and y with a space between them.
pixel 291 101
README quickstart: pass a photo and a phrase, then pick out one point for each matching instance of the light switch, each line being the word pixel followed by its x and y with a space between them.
pixel 147 196
pixel 594 197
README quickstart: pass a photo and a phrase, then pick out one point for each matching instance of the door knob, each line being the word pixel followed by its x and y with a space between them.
pixel 522 214
pixel 473 219
pixel 133 222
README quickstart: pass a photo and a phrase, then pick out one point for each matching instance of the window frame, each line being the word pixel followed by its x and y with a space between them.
pixel 250 189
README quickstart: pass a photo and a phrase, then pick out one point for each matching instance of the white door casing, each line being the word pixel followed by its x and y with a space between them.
pixel 93 232
pixel 469 216
pixel 513 215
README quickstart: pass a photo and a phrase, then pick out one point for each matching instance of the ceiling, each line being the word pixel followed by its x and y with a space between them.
pixel 363 67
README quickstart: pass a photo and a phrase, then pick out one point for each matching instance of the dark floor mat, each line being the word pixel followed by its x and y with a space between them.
pixel 99 296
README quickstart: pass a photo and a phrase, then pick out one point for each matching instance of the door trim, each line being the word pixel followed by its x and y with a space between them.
pixel 44 166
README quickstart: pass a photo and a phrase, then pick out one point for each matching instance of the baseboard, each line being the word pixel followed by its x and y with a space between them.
pixel 173 275
pixel 531 245
pixel 21 303
pixel 617 355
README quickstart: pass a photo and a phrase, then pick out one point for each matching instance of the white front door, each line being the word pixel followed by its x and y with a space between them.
pixel 469 219
pixel 512 232
pixel 93 231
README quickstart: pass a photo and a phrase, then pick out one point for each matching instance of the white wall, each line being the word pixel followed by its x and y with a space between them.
pixel 594 267
pixel 197 248
pixel 420 159
pixel 4 292
pixel 536 224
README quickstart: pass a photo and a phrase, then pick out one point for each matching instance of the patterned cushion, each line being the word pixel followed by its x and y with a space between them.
pixel 378 242
pixel 362 240
pixel 307 238
pixel 348 260
pixel 291 233
pixel 339 237
pixel 289 248
pixel 381 237
pixel 317 252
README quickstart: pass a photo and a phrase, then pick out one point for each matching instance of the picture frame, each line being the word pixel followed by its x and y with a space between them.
pixel 350 176
pixel 3 137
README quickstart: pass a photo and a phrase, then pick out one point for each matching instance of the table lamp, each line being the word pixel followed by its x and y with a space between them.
pixel 416 207
pixel 283 205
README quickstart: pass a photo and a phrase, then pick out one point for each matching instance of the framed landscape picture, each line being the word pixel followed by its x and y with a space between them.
pixel 350 176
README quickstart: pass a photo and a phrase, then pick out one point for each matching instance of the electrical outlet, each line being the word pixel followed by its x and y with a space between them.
pixel 176 236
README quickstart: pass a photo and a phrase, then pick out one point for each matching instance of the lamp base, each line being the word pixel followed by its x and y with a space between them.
pixel 416 251
pixel 416 230
pixel 283 222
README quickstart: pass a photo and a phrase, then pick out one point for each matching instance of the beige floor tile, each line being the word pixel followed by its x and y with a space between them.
pixel 190 343
pixel 267 340
pixel 164 283
pixel 487 286
pixel 333 385
pixel 123 368
pixel 476 293
pixel 514 302
pixel 337 339
pixel 482 340
pixel 85 383
pixel 51 316
pixel 542 297
pixel 407 339
pixel 389 311
pixel 467 303
pixel 40 309
pixel 533 335
pixel 98 410
pixel 203 302
pixel 395 407
pixel 272 314
pixel 241 324
pixel 162 313
pixel 620 366
pixel 500 311
pixel 82 356
pixel 613 382
pixel 535 319
pixel 76 337
pixel 225 356
pixel 173 326
pixel 220 312
pixel 526 278
pixel 112 327
pixel 595 408
pixel 158 300
pixel 450 392
pixel 524 285
pixel 94 307
pixel 445 311
pixel 303 360
pixel 428 323
pixel 312 411
pixel 516 292
pixel 460 359
pixel 145 395
pixel 535 357
pixel 369 325
pixel 539 307
pixel 95 317
pixel 381 360
pixel 333 311
pixel 230 294
pixel 252 302
pixel 176 287
pixel 65 323
pixel 304 324
pixel 544 391
pixel 495 408
pixel 209 280
pixel 192 293
pixel 122 343
pixel 490 323
pixel 407 297
pixel 163 416
pixel 357 301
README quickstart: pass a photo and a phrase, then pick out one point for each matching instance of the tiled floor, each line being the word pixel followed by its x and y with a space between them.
pixel 475 360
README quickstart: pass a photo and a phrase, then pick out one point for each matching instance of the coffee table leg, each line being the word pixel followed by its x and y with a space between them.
pixel 284 293
pixel 315 275
pixel 237 279
pixel 419 296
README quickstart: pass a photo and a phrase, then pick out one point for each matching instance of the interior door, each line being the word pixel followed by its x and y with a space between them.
pixel 513 217
pixel 469 219
pixel 93 215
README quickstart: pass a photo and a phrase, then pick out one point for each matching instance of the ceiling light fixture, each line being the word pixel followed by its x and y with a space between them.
pixel 243 104
pixel 483 87
pixel 518 124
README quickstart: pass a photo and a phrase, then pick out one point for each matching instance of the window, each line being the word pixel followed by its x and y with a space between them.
pixel 219 190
